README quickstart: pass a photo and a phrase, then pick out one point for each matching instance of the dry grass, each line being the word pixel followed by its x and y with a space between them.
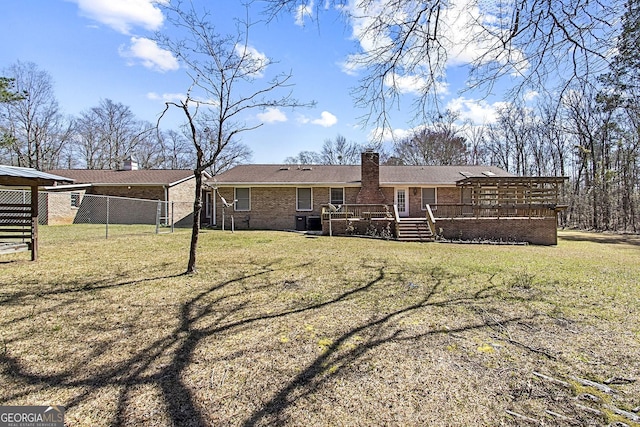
pixel 282 329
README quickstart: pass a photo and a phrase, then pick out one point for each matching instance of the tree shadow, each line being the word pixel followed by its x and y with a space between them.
pixel 608 238
pixel 181 342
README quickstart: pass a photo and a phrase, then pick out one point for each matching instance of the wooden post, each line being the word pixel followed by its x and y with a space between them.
pixel 34 223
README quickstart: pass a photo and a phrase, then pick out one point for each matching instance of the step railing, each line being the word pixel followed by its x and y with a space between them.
pixel 431 220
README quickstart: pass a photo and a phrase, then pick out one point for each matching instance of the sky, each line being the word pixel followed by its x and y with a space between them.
pixel 103 49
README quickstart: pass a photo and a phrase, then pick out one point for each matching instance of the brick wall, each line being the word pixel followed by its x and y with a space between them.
pixel 58 208
pixel 448 195
pixel 155 192
pixel 538 231
pixel 182 196
pixel 273 208
pixel 370 180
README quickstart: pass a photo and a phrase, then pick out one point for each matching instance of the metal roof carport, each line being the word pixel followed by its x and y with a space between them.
pixel 20 220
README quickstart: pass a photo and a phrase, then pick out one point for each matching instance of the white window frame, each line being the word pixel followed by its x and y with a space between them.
pixel 208 206
pixel 331 200
pixel 435 196
pixel 236 199
pixel 298 199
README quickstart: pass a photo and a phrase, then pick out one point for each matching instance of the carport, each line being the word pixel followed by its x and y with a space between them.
pixel 19 221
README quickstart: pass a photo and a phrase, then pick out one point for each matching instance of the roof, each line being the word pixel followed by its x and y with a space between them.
pixel 435 174
pixel 101 177
pixel 349 175
pixel 13 175
pixel 484 181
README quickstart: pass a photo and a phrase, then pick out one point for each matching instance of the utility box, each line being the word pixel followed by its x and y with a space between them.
pixel 314 223
pixel 301 223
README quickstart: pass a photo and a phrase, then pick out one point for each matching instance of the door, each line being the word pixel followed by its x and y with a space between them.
pixel 402 201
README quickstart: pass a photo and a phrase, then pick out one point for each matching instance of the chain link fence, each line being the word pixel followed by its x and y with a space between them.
pixel 98 216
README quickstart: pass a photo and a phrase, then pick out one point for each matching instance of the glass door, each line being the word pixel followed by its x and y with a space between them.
pixel 402 201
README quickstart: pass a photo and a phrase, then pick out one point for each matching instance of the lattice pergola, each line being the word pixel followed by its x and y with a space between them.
pixel 513 191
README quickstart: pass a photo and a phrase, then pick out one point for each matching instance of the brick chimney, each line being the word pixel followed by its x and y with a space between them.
pixel 370 192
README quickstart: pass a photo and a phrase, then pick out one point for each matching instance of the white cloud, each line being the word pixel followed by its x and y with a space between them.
pixel 531 95
pixel 350 66
pixel 462 31
pixel 303 11
pixel 150 55
pixel 272 115
pixel 406 84
pixel 326 120
pixel 477 111
pixel 255 62
pixel 122 15
pixel 166 97
pixel 389 135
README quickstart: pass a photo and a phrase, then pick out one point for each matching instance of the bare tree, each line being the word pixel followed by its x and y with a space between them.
pixel 177 150
pixel 411 41
pixel 508 139
pixel 476 144
pixel 149 151
pixel 226 82
pixel 440 142
pixel 35 131
pixel 304 158
pixel 340 152
pixel 334 152
pixel 234 152
pixel 109 133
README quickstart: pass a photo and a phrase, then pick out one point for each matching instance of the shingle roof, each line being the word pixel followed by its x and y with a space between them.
pixel 349 175
pixel 126 177
pixel 435 174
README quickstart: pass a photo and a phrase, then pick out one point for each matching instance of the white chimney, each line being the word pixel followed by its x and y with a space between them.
pixel 130 164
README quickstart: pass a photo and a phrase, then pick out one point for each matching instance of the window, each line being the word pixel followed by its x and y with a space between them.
pixel 337 196
pixel 75 200
pixel 243 199
pixel 428 197
pixel 207 205
pixel 303 199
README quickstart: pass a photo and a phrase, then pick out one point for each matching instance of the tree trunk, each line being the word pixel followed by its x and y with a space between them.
pixel 195 230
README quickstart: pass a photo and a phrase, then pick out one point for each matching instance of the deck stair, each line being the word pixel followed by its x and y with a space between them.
pixel 414 230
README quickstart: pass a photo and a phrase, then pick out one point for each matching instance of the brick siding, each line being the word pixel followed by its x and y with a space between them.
pixel 537 231
pixel 273 208
pixel 57 208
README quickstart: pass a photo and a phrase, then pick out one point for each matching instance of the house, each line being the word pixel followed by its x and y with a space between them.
pixel 174 188
pixel 407 202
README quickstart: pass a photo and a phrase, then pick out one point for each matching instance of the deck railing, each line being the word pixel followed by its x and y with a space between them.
pixel 357 212
pixel 468 210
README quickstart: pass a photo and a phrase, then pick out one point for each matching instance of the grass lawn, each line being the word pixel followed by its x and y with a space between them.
pixel 284 329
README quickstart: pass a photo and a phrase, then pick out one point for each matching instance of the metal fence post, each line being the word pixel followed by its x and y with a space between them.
pixel 158 214
pixel 172 211
pixel 107 220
